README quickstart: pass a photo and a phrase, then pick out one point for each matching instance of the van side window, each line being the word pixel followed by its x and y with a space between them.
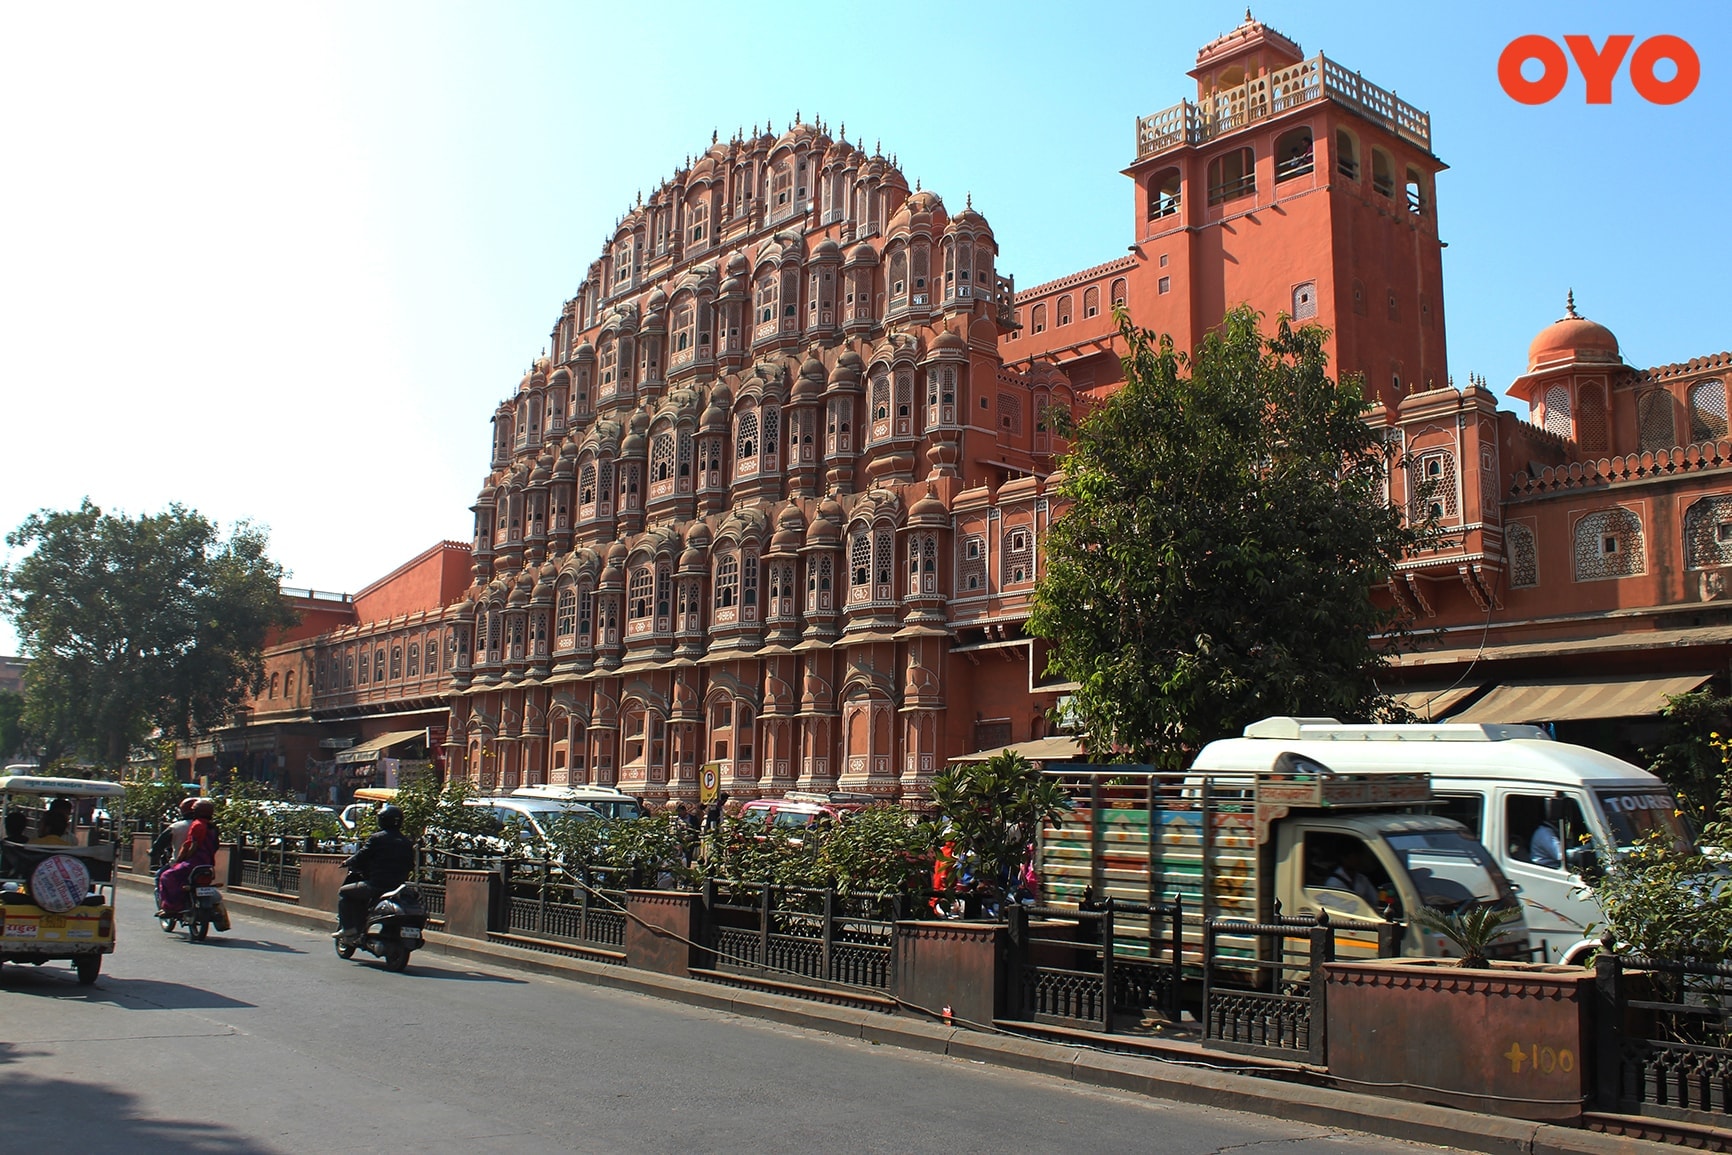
pixel 1534 840
pixel 1467 809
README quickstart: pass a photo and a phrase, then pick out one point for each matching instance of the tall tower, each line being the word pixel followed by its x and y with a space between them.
pixel 1293 185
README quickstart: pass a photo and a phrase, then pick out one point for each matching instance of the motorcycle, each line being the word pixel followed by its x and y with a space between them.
pixel 395 927
pixel 204 907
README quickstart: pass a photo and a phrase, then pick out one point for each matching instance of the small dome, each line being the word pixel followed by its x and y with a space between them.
pixel 1572 337
pixel 917 212
pixel 584 352
pixel 658 300
pixel 738 266
pixel 949 342
pixel 862 254
pixel 827 250
pixel 929 510
pixel 616 554
pixel 698 536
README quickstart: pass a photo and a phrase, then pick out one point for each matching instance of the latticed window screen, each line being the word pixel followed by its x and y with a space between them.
pixel 1707 411
pixel 565 613
pixel 662 457
pixel 880 396
pixel 971 571
pixel 1010 413
pixel 1524 565
pixel 1558 410
pixel 1591 420
pixel 1656 420
pixel 1017 564
pixel 772 431
pixel 746 441
pixel 1609 544
pixel 860 560
pixel 1708 533
pixel 1433 489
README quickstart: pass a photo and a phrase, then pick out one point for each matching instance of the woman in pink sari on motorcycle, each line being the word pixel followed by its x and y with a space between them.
pixel 199 849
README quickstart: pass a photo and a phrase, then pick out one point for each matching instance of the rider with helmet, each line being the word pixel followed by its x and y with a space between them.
pixel 384 862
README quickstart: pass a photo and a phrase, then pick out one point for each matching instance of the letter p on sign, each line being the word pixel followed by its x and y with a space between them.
pixel 1599 67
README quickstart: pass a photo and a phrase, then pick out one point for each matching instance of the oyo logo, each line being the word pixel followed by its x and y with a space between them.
pixel 1599 67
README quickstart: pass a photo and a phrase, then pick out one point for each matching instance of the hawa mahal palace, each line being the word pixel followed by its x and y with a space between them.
pixel 774 501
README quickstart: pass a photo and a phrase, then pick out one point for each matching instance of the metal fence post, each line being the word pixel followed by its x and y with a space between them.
pixel 765 906
pixel 829 932
pixel 541 901
pixel 1608 1021
pixel 1107 966
pixel 1322 951
pixel 1389 935
pixel 1208 974
pixel 1175 989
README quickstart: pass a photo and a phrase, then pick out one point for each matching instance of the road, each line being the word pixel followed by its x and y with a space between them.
pixel 262 1040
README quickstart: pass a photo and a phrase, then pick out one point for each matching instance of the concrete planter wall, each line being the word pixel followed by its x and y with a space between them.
pixel 321 877
pixel 141 852
pixel 661 928
pixel 960 965
pixel 1514 1041
pixel 472 902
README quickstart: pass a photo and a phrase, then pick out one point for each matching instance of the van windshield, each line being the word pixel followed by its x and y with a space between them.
pixel 1633 814
pixel 1449 870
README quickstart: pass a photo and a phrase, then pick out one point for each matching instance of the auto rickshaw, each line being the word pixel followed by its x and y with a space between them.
pixel 57 900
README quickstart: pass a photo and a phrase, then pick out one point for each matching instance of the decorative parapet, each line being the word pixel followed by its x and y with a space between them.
pixel 1276 92
pixel 1631 467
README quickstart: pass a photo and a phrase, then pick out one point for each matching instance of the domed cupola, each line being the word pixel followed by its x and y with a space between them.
pixel 1572 338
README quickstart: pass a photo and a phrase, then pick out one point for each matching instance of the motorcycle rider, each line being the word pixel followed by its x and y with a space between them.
pixel 385 862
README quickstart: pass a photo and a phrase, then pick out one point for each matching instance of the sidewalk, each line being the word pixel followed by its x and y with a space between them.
pixel 1155 1077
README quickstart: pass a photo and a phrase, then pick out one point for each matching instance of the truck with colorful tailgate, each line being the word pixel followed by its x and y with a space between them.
pixel 1290 841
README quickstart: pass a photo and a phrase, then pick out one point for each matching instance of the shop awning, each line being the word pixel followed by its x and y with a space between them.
pixel 370 750
pixel 1435 703
pixel 1059 748
pixel 1573 700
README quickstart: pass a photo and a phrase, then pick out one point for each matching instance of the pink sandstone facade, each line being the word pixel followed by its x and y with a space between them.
pixel 774 501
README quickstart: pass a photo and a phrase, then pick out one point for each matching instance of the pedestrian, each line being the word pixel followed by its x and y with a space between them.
pixel 713 816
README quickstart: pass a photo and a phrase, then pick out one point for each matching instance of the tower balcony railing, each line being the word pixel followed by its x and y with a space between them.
pixel 1273 93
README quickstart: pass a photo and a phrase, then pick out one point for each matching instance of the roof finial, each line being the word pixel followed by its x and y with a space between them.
pixel 1248 18
pixel 714 133
pixel 916 184
pixel 1570 304
pixel 968 201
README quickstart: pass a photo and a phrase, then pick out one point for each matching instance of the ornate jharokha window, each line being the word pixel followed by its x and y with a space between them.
pixel 727 587
pixel 638 596
pixel 1609 544
pixel 820 584
pixel 771 439
pixel 585 618
pixel 565 617
pixel 661 464
pixel 860 567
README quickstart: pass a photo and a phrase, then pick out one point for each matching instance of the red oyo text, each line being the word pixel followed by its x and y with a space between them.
pixel 1599 67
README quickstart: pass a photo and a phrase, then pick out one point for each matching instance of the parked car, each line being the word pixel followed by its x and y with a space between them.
pixel 788 813
pixel 532 818
pixel 605 800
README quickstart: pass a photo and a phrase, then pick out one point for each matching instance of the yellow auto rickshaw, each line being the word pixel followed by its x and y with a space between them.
pixel 57 897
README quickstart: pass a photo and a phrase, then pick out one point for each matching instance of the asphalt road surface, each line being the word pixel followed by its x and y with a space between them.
pixel 262 1040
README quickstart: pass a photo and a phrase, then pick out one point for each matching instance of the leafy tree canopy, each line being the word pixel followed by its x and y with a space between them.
pixel 137 623
pixel 11 725
pixel 1227 524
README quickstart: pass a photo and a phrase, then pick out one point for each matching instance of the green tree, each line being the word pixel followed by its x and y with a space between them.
pixel 137 623
pixel 1226 526
pixel 993 811
pixel 11 725
pixel 1691 756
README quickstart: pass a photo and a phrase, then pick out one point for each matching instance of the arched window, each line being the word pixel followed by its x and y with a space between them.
pixel 1017 559
pixel 860 566
pixel 727 581
pixel 661 460
pixel 1092 301
pixel 1591 419
pixel 746 435
pixel 1346 156
pixel 1232 175
pixel 1305 301
pixel 1038 314
pixel 414 666
pixel 772 437
pixel 1708 533
pixel 1382 174
pixel 1118 291
pixel 1293 154
pixel 1656 420
pixel 586 486
pixel 1707 411
pixel 749 579
pixel 638 594
pixel 1164 194
pixel 565 617
pixel 898 277
pixel 1415 186
pixel 1609 544
pixel 766 299
pixel 1558 410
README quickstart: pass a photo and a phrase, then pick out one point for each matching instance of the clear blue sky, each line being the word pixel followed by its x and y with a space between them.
pixel 279 261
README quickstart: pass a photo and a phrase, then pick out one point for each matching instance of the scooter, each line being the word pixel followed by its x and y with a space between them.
pixel 204 907
pixel 395 927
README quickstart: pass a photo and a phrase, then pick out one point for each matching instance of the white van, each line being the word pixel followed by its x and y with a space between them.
pixel 533 817
pixel 1507 784
pixel 605 800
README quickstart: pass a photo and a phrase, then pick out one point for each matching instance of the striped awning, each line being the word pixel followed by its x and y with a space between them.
pixel 1573 700
pixel 1434 704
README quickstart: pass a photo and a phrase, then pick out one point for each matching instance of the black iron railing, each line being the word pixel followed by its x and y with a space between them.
pixel 274 867
pixel 1665 1038
pixel 545 900
pixel 798 934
